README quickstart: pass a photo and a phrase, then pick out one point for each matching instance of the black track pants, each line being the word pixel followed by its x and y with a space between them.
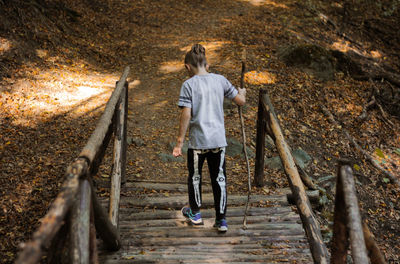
pixel 216 166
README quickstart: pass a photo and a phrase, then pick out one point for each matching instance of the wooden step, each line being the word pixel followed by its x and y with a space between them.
pixel 207 213
pixel 195 232
pixel 239 239
pixel 178 201
pixel 207 225
pixel 153 229
pixel 172 187
pixel 207 258
pixel 284 246
pixel 289 217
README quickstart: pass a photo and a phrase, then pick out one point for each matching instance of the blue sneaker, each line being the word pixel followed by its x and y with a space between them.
pixel 195 219
pixel 221 225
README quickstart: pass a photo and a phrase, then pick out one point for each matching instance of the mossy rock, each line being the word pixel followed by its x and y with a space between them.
pixel 314 59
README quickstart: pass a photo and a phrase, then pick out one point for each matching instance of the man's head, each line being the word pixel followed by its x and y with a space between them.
pixel 195 59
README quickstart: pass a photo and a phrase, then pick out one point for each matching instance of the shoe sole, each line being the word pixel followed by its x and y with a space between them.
pixel 222 229
pixel 194 222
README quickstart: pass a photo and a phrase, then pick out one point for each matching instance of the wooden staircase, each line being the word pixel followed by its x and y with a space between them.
pixel 153 230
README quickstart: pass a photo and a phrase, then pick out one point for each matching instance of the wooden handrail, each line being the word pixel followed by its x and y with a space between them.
pixel 310 223
pixel 95 141
pixel 77 192
pixel 54 219
pixel 348 225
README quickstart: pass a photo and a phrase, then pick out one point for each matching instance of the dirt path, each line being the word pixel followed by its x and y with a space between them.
pixel 157 80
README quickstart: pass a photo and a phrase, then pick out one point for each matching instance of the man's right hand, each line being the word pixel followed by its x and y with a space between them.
pixel 240 98
pixel 177 152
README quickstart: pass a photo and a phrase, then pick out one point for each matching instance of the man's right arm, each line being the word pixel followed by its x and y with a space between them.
pixel 186 115
pixel 240 98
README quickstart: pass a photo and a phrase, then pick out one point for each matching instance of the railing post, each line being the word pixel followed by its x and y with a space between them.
pixel 106 230
pixel 260 142
pixel 347 220
pixel 125 134
pixel 340 238
pixel 118 162
pixel 357 241
pixel 80 225
pixel 94 259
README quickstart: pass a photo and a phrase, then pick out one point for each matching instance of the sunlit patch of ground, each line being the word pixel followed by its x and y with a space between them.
pixel 5 45
pixel 257 77
pixel 51 92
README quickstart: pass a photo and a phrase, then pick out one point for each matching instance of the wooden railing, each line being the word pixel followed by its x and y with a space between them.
pixel 348 225
pixel 76 214
pixel 267 122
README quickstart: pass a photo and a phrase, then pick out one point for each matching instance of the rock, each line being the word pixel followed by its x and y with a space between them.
pixel 274 163
pixel 299 155
pixel 235 148
pixel 137 141
pixel 169 157
pixel 313 59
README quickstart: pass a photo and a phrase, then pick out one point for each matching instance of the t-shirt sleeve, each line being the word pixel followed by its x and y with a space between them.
pixel 185 97
pixel 229 90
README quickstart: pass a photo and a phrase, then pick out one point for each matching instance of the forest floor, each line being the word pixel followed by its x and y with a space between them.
pixel 57 70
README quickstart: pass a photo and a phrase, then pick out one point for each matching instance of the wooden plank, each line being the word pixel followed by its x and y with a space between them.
pixel 193 251
pixel 284 218
pixel 54 219
pixel 207 213
pixel 177 202
pixel 183 228
pixel 116 175
pixel 196 232
pixel 172 187
pixel 194 261
pixel 165 241
pixel 310 223
pixel 141 261
pixel 282 246
pixel 80 225
pixel 206 258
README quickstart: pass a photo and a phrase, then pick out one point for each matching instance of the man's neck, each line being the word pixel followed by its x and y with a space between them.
pixel 201 71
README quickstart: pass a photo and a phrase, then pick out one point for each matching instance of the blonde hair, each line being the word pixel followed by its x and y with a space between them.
pixel 196 56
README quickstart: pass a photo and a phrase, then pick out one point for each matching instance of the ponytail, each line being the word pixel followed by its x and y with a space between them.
pixel 196 56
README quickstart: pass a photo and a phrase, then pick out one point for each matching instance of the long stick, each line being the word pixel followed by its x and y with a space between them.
pixel 244 148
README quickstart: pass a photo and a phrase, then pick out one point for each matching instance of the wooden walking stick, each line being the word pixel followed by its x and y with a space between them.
pixel 244 148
